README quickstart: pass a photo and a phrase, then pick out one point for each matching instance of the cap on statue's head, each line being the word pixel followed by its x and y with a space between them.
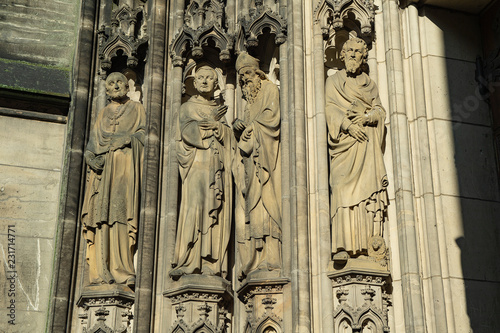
pixel 246 60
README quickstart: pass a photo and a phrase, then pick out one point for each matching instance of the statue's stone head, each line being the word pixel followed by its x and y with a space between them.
pixel 354 54
pixel 116 86
pixel 250 76
pixel 205 80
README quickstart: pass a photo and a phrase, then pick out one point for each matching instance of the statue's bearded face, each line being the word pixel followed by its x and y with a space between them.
pixel 205 80
pixel 116 86
pixel 354 53
pixel 250 83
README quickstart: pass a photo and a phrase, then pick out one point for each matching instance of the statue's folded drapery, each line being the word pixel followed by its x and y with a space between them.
pixel 110 210
pixel 257 173
pixel 358 179
pixel 204 223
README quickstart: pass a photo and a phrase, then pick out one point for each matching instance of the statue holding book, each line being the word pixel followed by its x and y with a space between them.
pixel 358 180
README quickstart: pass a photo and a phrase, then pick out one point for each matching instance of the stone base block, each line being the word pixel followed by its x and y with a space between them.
pixel 201 304
pixel 361 300
pixel 263 301
pixel 106 308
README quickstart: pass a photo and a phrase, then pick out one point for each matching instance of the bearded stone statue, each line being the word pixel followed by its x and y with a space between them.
pixel 110 212
pixel 358 180
pixel 257 171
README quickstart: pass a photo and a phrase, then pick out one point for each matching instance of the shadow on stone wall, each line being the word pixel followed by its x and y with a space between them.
pixel 470 196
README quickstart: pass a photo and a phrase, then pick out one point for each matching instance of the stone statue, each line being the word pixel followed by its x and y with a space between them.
pixel 358 180
pixel 205 156
pixel 110 212
pixel 258 170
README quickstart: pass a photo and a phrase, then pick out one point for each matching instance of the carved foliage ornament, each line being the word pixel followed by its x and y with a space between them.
pixel 330 14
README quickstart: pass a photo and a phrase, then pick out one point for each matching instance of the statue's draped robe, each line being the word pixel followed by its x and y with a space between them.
pixel 258 181
pixel 358 179
pixel 204 224
pixel 110 210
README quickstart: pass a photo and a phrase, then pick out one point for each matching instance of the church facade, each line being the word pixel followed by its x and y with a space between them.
pixel 250 166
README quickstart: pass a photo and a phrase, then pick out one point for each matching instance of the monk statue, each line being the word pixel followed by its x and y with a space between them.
pixel 204 155
pixel 358 180
pixel 110 212
pixel 257 171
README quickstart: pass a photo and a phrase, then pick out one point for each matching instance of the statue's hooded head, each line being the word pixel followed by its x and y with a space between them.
pixel 116 86
pixel 354 54
pixel 205 80
pixel 250 76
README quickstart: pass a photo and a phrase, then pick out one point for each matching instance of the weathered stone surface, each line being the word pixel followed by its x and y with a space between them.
pixel 455 97
pixel 466 160
pixel 30 162
pixel 24 76
pixel 443 35
pixel 33 266
pixel 33 144
pixel 38 31
pixel 38 41
pixel 27 200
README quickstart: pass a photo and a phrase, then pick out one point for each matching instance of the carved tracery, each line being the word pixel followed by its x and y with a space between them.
pixel 331 14
pixel 204 26
pixel 125 36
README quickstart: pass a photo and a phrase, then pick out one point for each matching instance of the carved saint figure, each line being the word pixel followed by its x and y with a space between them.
pixel 110 210
pixel 204 155
pixel 358 180
pixel 258 170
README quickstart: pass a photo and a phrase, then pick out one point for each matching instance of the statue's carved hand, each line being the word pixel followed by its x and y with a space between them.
pixel 96 163
pixel 247 134
pixel 219 112
pixel 357 132
pixel 119 143
pixel 239 125
pixel 362 120
pixel 208 124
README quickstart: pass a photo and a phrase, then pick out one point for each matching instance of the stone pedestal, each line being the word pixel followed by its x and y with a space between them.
pixel 200 304
pixel 263 299
pixel 361 296
pixel 106 308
